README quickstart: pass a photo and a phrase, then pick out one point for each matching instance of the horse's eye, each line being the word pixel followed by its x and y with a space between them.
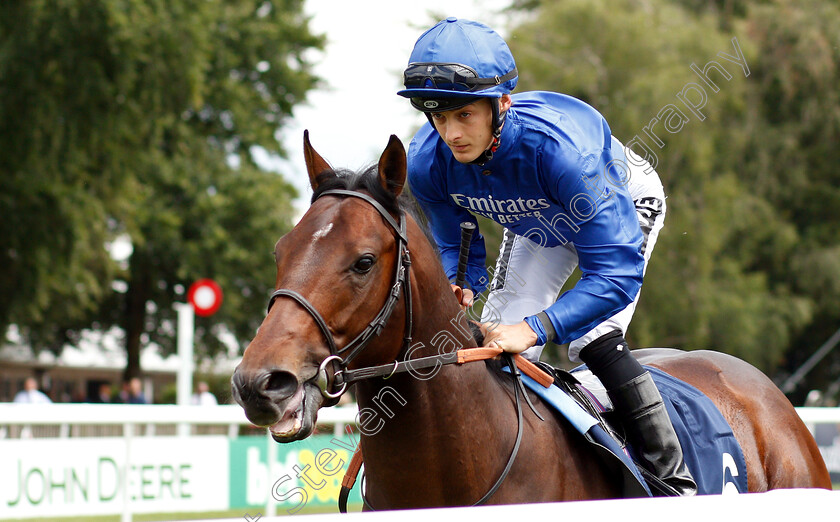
pixel 364 264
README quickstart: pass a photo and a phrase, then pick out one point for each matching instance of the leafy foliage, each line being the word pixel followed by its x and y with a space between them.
pixel 136 118
pixel 748 260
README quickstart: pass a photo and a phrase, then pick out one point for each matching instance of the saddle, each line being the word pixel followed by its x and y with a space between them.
pixel 555 387
pixel 712 454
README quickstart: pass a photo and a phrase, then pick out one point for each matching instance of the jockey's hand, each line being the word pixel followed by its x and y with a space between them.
pixel 512 338
pixel 464 296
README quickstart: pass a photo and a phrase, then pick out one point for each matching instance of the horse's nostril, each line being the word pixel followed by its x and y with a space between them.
pixel 239 386
pixel 281 384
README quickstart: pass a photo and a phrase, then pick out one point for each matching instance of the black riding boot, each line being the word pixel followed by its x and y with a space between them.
pixel 638 404
pixel 648 426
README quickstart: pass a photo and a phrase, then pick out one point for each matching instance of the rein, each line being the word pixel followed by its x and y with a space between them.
pixel 457 357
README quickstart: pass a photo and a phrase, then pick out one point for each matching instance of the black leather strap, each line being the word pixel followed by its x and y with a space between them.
pixel 399 229
pixel 408 365
pixel 322 325
pixel 517 384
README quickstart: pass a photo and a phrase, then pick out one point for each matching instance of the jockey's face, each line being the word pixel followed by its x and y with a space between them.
pixel 468 131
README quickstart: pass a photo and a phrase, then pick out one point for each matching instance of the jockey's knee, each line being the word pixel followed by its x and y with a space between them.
pixel 609 358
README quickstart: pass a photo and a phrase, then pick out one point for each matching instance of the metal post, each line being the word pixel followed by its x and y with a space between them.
pixel 186 333
pixel 790 384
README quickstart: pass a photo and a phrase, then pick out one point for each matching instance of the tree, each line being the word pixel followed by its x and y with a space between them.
pixel 792 162
pixel 714 279
pixel 137 119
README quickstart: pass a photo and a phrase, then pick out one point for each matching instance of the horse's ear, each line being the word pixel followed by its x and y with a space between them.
pixel 392 166
pixel 316 166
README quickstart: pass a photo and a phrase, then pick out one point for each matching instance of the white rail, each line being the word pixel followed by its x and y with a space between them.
pixel 66 416
pixel 99 414
pixel 819 415
pixel 115 441
pixel 110 414
pixel 33 428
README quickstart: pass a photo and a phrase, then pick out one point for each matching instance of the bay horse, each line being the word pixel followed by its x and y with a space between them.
pixel 449 428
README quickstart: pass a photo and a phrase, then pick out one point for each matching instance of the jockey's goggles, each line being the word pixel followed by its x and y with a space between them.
pixel 449 77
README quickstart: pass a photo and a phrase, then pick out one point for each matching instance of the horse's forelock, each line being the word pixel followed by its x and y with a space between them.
pixel 330 180
pixel 367 180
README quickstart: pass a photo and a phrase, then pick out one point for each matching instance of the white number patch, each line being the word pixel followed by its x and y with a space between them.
pixel 729 488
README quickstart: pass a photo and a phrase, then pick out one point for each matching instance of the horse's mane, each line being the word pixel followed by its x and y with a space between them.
pixel 368 181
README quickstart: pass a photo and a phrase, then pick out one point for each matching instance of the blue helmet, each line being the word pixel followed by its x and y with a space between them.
pixel 455 63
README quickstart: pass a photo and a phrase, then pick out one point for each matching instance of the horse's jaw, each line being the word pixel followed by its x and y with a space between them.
pixel 299 414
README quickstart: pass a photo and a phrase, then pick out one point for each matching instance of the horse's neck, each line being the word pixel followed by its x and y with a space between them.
pixel 444 440
pixel 440 436
pixel 440 327
pixel 423 432
pixel 425 419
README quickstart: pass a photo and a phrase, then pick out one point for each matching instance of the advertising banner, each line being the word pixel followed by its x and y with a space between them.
pixel 97 476
pixel 52 477
pixel 306 473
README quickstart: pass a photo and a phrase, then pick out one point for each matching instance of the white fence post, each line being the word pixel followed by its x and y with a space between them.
pixel 184 378
pixel 128 434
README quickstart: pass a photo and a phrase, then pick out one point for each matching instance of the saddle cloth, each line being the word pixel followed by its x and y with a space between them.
pixel 711 452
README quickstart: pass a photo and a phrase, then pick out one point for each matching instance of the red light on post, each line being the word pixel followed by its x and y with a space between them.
pixel 205 295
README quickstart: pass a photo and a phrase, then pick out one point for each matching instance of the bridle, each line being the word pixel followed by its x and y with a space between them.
pixel 343 356
pixel 344 376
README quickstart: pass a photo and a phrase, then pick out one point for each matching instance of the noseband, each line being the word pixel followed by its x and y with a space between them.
pixel 343 356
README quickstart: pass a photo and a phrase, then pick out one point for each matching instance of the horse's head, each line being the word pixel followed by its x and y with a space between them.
pixel 335 274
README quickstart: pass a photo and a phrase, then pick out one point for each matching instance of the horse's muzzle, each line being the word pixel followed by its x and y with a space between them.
pixel 263 394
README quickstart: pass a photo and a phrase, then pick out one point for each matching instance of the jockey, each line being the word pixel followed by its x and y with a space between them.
pixel 547 168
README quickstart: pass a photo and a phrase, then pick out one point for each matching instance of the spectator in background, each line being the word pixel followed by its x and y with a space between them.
pixel 135 387
pixel 79 394
pixel 30 393
pixel 103 394
pixel 132 392
pixel 202 395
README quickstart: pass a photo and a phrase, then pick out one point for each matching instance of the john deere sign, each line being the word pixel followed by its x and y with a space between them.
pixel 55 477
